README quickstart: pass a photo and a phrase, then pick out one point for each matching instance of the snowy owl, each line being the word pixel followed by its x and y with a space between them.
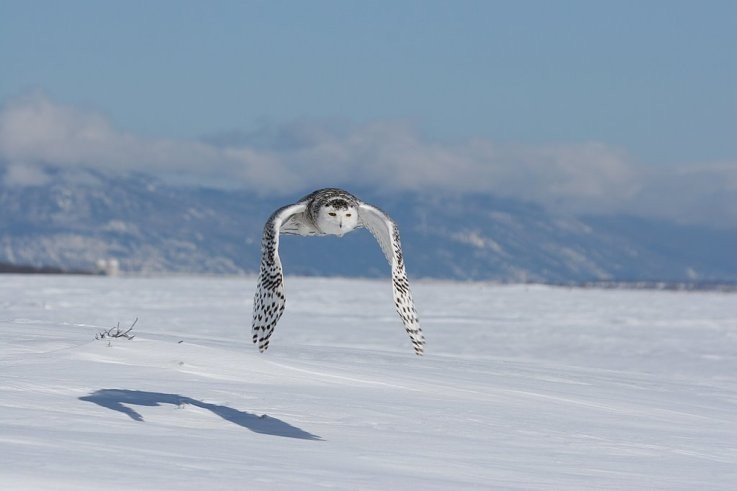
pixel 327 212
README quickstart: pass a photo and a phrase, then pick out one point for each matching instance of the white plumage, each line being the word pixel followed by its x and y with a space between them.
pixel 327 211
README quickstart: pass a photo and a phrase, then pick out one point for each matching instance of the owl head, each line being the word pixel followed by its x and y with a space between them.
pixel 337 217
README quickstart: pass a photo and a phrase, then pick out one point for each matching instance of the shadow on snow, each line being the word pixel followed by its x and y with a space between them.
pixel 121 399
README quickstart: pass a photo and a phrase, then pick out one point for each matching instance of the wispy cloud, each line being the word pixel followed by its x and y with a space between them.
pixel 585 177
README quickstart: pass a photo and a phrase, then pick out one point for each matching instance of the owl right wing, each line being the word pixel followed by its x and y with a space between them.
pixel 268 304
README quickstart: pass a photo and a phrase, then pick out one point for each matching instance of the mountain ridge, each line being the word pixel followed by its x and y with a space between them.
pixel 81 216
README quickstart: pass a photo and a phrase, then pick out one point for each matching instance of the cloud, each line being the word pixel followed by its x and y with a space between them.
pixel 587 177
pixel 25 175
pixel 703 193
pixel 36 131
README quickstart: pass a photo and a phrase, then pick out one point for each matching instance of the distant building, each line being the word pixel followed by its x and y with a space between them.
pixel 108 267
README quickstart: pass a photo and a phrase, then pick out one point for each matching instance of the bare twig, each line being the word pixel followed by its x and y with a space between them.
pixel 116 332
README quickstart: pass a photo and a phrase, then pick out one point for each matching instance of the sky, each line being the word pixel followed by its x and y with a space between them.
pixel 586 106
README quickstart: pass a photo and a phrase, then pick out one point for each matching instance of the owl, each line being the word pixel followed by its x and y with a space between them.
pixel 327 211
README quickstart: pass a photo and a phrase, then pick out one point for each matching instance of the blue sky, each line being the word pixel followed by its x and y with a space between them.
pixel 644 89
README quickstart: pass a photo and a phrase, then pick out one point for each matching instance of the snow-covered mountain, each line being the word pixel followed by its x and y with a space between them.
pixel 79 217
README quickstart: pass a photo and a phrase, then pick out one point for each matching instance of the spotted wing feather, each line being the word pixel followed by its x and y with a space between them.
pixel 383 228
pixel 268 304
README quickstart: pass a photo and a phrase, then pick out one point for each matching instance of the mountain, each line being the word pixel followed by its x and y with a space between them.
pixel 79 217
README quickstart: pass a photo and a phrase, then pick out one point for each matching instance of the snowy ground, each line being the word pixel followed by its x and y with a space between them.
pixel 521 387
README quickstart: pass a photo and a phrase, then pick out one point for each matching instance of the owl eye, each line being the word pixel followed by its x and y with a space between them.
pixel 347 214
pixel 332 213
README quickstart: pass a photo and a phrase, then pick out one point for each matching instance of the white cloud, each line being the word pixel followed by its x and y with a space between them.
pixel 25 175
pixel 698 193
pixel 35 131
pixel 586 177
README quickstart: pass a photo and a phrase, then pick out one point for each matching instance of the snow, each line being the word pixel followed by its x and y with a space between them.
pixel 521 387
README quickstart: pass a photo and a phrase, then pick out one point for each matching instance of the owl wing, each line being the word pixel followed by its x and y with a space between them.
pixel 383 228
pixel 268 304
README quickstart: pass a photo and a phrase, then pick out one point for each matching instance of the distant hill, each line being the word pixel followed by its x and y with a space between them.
pixel 81 217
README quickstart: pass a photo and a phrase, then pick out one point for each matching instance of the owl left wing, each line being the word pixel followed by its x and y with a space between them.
pixel 383 228
pixel 268 304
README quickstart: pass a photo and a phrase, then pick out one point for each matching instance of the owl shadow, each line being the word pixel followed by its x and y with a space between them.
pixel 121 400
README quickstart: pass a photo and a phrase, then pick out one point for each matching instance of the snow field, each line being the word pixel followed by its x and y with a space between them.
pixel 521 387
